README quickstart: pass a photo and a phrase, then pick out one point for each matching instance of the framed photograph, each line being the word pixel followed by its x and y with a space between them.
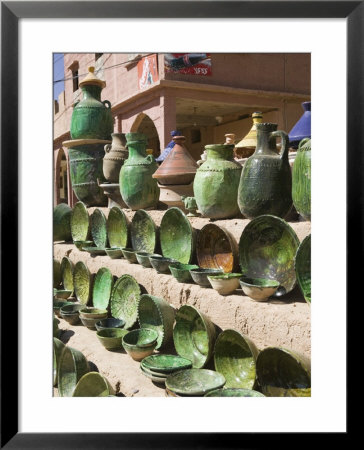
pixel 31 32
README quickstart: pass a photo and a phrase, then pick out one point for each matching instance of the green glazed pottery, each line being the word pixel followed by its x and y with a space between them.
pixel 160 379
pixel 70 313
pixel 234 393
pixel 89 323
pixel 199 275
pixel 216 249
pixel 98 228
pixel 82 281
pixel 143 232
pixel 301 179
pixel 102 288
pixel 57 305
pixel 93 384
pixel 177 236
pixel 143 258
pixel 194 382
pixel 216 183
pixel 160 263
pixel 93 313
pixel 266 180
pixel 56 330
pixel 259 289
pixel 95 250
pixel 267 249
pixel 62 293
pixel 140 343
pixel 124 300
pixel 58 347
pixel 62 223
pixel 80 222
pixel 56 273
pixel 303 267
pixel 114 253
pixel 67 274
pixel 181 272
pixel 226 283
pixel 111 338
pixel 129 255
pixel 81 245
pixel 194 336
pixel 283 373
pixel 72 366
pixel 110 322
pixel 137 187
pixel 156 314
pixel 91 117
pixel 165 363
pixel 117 228
pixel 235 357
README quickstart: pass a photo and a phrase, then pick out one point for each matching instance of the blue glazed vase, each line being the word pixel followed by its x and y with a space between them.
pixel 302 129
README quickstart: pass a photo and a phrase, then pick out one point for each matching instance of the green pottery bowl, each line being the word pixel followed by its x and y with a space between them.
pixel 124 300
pixel 80 222
pixel 177 236
pixel 143 232
pixel 181 272
pixel 199 276
pixel 267 249
pixel 194 336
pixel 82 281
pixel 235 356
pixel 109 322
pixel 62 223
pixel 143 258
pixel 165 364
pixel 56 274
pixel 72 366
pixel 57 305
pixel 140 343
pixel 194 382
pixel 98 228
pixel 216 249
pixel 226 283
pixel 81 245
pixel 259 289
pixel 95 250
pixel 67 274
pixel 152 372
pixel 156 378
pixel 160 263
pixel 234 393
pixel 114 253
pixel 156 314
pixel 117 228
pixel 111 338
pixel 303 267
pixel 102 287
pixel 129 255
pixel 89 323
pixel 93 313
pixel 62 293
pixel 58 347
pixel 283 373
pixel 70 313
pixel 93 384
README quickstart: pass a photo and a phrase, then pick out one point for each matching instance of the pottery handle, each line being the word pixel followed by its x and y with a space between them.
pixel 76 103
pixel 107 148
pixel 106 102
pixel 303 142
pixel 150 158
pixel 285 142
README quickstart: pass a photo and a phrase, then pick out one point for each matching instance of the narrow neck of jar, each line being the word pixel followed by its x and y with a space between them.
pixel 222 152
pixel 137 149
pixel 91 91
pixel 264 140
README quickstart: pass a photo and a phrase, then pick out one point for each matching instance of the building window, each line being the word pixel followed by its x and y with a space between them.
pixel 98 55
pixel 75 79
pixel 195 136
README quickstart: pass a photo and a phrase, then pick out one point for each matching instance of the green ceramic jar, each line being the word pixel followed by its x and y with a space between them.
pixel 91 117
pixel 301 179
pixel 137 187
pixel 266 180
pixel 216 183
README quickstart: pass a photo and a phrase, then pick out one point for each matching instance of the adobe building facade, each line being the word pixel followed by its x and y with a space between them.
pixel 203 108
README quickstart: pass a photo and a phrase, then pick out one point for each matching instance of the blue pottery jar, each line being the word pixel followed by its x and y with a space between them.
pixel 302 129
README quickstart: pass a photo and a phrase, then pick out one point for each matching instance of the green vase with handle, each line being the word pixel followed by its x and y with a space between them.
pixel 301 179
pixel 137 187
pixel 266 181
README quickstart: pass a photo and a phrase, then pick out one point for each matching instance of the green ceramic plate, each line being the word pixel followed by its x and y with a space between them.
pixel 62 223
pixel 156 314
pixel 303 267
pixel 117 228
pixel 166 363
pixel 93 384
pixel 82 281
pixel 98 228
pixel 267 249
pixel 195 382
pixel 80 222
pixel 177 236
pixel 67 273
pixel 102 288
pixel 234 393
pixel 72 366
pixel 143 232
pixel 194 336
pixel 56 273
pixel 153 377
pixel 124 300
pixel 58 347
pixel 235 356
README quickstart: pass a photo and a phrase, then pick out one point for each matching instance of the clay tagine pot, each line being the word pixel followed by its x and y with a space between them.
pixel 247 145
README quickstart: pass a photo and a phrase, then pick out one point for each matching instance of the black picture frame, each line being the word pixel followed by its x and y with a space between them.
pixel 11 12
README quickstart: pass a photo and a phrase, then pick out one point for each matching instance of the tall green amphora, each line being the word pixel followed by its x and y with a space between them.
pixel 266 180
pixel 216 183
pixel 137 187
pixel 301 179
